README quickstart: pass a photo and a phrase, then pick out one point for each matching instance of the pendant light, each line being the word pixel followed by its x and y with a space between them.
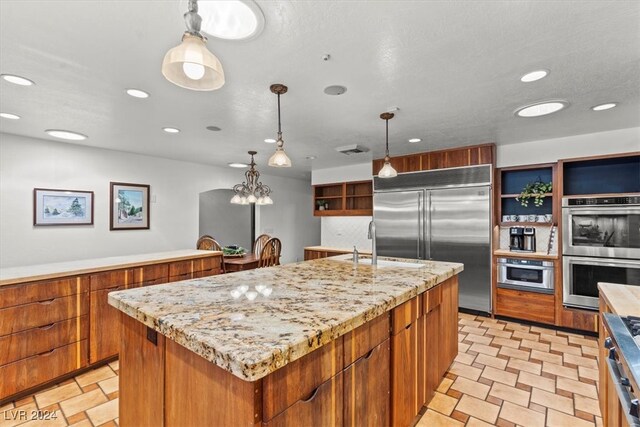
pixel 190 64
pixel 252 190
pixel 387 170
pixel 279 158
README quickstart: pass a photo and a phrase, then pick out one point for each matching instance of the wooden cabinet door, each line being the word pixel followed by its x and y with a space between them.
pixel 404 376
pixel 323 407
pixel 367 389
pixel 448 345
pixel 429 367
pixel 105 327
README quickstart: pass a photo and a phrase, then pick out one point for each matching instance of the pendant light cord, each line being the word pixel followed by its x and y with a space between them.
pixel 387 142
pixel 279 126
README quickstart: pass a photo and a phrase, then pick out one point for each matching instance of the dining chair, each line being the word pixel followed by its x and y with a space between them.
pixel 270 254
pixel 259 244
pixel 208 243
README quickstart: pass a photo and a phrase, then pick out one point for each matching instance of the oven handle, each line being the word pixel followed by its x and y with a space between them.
pixel 623 394
pixel 598 261
pixel 603 211
pixel 525 267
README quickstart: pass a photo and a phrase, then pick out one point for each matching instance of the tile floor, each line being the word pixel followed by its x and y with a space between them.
pixel 506 374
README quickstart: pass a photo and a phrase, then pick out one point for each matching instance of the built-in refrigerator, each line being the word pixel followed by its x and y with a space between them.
pixel 443 215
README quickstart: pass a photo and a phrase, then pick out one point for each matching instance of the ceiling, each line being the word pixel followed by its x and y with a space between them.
pixel 452 67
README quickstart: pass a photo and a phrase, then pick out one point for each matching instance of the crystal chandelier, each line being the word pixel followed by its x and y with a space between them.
pixel 252 190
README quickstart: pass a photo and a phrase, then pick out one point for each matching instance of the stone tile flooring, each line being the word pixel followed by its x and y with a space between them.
pixel 506 374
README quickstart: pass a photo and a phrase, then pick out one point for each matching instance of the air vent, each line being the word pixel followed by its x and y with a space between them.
pixel 352 149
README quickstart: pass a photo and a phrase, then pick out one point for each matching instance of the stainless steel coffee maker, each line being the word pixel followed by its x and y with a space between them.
pixel 529 239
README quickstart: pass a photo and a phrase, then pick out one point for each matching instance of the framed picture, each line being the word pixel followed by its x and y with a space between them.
pixel 129 206
pixel 62 207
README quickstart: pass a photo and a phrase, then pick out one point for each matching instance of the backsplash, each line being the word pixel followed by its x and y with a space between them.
pixel 543 235
pixel 345 232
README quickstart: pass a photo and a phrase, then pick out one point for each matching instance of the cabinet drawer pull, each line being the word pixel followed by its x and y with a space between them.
pixel 48 301
pixel 312 395
pixel 45 327
pixel 46 353
pixel 369 354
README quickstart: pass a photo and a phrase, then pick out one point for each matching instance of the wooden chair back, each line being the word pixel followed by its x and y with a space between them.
pixel 208 243
pixel 259 244
pixel 270 254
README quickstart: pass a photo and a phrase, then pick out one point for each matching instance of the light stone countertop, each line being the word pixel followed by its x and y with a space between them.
pixel 254 322
pixel 28 273
pixel 624 300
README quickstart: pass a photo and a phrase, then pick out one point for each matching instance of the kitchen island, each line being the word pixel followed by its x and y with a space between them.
pixel 321 342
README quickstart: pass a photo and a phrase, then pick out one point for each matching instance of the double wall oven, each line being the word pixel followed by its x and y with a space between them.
pixel 600 243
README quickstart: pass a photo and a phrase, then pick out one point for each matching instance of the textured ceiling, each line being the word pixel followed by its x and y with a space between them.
pixel 452 67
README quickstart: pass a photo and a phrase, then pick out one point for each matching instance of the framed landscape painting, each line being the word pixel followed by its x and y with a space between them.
pixel 62 207
pixel 129 206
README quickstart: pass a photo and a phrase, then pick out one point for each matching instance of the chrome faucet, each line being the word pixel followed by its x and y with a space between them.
pixel 372 236
pixel 356 256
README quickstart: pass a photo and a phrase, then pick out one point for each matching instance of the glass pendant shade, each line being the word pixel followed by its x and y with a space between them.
pixel 279 159
pixel 387 171
pixel 236 199
pixel 190 65
pixel 267 201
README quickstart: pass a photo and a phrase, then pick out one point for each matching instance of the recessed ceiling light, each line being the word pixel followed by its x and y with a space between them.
pixel 17 80
pixel 310 157
pixel 603 107
pixel 335 90
pixel 238 165
pixel 541 108
pixel 137 93
pixel 414 140
pixel 270 141
pixel 9 116
pixel 171 130
pixel 231 19
pixel 214 128
pixel 66 134
pixel 534 76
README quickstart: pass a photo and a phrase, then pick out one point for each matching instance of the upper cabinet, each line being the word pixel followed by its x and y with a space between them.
pixel 603 175
pixel 343 199
pixel 464 156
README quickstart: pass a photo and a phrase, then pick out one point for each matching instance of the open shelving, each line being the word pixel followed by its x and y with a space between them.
pixel 344 199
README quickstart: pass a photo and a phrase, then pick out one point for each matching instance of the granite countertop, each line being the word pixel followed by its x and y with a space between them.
pixel 624 300
pixel 254 322
pixel 330 249
pixel 28 273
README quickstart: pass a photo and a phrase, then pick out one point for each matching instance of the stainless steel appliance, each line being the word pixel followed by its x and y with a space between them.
pixel 529 239
pixel 601 242
pixel 444 215
pixel 601 227
pixel 582 274
pixel 525 274
pixel 516 239
pixel 623 362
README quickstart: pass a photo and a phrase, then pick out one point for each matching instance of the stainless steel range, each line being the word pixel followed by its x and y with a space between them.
pixel 600 243
pixel 623 362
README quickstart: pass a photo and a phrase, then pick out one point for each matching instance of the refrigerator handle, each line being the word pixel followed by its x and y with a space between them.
pixel 427 231
pixel 420 227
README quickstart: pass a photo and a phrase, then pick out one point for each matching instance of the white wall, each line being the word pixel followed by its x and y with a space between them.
pixel 552 150
pixel 343 232
pixel 357 172
pixel 27 163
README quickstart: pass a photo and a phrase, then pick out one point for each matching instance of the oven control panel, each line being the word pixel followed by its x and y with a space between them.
pixel 598 201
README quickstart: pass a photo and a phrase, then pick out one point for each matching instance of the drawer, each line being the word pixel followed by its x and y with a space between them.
pixel 45 338
pixel 431 299
pixel 44 367
pixel 298 379
pixel 111 279
pixel 361 340
pixel 209 263
pixel 323 406
pixel 206 273
pixel 405 314
pixel 367 388
pixel 37 314
pixel 180 268
pixel 40 291
pixel 150 274
pixel 532 306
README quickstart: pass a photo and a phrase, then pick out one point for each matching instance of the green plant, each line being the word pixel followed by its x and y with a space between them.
pixel 320 202
pixel 536 190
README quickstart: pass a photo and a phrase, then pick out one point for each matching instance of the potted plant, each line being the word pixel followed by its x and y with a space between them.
pixel 321 203
pixel 536 190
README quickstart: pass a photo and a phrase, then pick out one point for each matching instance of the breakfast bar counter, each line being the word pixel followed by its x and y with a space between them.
pixel 229 339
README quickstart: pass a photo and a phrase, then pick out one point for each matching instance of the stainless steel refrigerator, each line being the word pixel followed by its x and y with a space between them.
pixel 444 215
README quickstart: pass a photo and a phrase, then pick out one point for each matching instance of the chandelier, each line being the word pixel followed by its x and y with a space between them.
pixel 252 190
